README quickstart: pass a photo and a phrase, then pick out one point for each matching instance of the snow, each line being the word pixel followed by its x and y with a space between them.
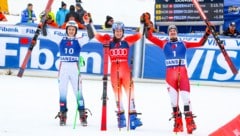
pixel 127 11
pixel 29 105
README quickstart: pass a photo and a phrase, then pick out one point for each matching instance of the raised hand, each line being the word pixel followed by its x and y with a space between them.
pixel 87 18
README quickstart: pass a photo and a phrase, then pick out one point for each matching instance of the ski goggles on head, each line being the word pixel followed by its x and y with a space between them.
pixel 117 26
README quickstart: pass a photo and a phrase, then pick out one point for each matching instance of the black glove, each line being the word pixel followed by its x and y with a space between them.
pixel 90 17
pixel 142 18
pixel 145 19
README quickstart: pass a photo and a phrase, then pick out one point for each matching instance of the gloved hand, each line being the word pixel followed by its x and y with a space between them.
pixel 208 31
pixel 90 17
pixel 87 18
pixel 145 19
pixel 147 16
pixel 142 18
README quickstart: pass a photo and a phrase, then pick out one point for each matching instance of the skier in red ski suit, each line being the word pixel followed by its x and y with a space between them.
pixel 120 70
pixel 176 74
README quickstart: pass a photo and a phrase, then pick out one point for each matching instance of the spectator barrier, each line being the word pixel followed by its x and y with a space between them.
pixel 205 63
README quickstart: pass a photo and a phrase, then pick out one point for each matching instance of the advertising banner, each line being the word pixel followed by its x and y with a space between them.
pixel 205 63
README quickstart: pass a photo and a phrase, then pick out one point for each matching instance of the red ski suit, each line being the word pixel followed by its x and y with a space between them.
pixel 120 70
pixel 175 52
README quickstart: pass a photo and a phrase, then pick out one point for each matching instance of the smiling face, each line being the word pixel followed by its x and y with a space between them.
pixel 118 33
pixel 71 31
pixel 172 33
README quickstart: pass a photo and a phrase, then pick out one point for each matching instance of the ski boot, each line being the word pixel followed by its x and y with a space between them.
pixel 134 121
pixel 190 124
pixel 121 119
pixel 83 117
pixel 63 117
pixel 178 124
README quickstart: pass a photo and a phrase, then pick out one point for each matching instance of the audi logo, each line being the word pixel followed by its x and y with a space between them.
pixel 118 52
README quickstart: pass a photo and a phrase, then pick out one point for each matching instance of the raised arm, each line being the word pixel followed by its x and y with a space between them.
pixel 135 37
pixel 90 29
pixel 155 40
pixel 201 42
pixel 104 39
pixel 145 19
pixel 88 22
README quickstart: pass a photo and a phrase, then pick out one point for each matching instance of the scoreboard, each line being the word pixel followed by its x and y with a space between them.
pixel 183 12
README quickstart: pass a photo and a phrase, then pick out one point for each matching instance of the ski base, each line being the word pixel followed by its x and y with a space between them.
pixel 20 72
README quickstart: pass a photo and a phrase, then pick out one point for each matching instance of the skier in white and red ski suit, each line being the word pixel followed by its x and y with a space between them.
pixel 176 74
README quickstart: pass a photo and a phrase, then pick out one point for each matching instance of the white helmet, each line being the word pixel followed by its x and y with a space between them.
pixel 71 23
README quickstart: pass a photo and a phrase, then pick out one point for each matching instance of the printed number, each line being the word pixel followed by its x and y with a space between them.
pixel 174 53
pixel 69 50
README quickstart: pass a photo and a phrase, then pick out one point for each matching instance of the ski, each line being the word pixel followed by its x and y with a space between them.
pixel 44 29
pixel 130 91
pixel 34 39
pixel 104 95
pixel 215 36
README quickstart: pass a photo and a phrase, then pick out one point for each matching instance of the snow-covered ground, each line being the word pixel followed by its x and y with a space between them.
pixel 29 105
pixel 127 11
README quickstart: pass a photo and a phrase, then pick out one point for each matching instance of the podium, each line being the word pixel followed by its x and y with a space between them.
pixel 232 128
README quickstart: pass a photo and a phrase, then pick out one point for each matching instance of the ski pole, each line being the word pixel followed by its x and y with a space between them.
pixel 130 94
pixel 80 63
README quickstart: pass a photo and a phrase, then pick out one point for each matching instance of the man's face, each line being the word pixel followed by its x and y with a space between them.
pixel 172 33
pixel 78 8
pixel 30 7
pixel 232 27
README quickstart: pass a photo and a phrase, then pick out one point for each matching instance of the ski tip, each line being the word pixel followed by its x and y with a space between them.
pixel 20 72
pixel 19 75
pixel 103 128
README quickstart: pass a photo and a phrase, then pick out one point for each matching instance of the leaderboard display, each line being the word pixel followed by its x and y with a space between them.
pixel 184 12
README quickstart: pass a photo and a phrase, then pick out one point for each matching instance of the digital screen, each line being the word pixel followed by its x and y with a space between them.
pixel 184 12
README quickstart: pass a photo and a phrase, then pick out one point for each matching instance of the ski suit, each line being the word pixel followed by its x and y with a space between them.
pixel 176 72
pixel 120 70
pixel 69 70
